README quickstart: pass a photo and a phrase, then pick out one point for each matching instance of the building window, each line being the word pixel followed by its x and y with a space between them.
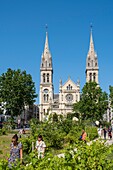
pixel 90 76
pixel 44 77
pixel 95 64
pixel 47 97
pixel 47 77
pixel 69 87
pixel 94 76
pixel 44 97
pixel 88 64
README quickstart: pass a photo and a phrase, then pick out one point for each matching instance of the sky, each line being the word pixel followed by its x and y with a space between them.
pixel 22 38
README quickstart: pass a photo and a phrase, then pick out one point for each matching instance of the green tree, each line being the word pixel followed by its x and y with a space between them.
pixel 111 95
pixel 16 90
pixel 93 103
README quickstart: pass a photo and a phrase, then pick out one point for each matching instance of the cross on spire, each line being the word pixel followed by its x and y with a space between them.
pixel 91 26
pixel 46 27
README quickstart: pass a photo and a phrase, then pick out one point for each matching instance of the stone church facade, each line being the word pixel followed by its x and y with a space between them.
pixel 69 92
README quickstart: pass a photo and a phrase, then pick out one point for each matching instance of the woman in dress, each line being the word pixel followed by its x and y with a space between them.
pixel 15 151
pixel 40 147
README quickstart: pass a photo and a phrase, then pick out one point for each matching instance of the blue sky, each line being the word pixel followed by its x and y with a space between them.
pixel 22 37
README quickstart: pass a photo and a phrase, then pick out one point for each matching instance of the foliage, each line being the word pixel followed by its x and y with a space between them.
pixel 16 90
pixel 91 132
pixel 55 117
pixel 82 156
pixel 93 103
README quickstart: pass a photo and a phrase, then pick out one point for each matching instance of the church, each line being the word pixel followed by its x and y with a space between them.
pixel 69 92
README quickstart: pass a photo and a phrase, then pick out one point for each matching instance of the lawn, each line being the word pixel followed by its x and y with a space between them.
pixel 5 141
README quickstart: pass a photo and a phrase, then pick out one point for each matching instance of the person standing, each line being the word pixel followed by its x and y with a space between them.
pixel 40 146
pixel 84 135
pixel 110 133
pixel 105 132
pixel 15 151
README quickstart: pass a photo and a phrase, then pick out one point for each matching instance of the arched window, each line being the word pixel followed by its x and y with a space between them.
pixel 88 64
pixel 44 77
pixel 90 76
pixel 47 77
pixel 69 87
pixel 95 64
pixel 47 97
pixel 94 76
pixel 44 97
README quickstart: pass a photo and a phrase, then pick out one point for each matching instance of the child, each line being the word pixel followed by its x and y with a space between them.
pixel 40 147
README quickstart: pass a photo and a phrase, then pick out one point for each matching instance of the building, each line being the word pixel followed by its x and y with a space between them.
pixel 69 92
pixel 92 68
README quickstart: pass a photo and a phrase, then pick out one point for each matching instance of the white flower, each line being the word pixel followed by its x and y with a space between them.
pixel 75 119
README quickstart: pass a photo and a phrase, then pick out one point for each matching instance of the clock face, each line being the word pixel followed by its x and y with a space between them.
pixel 69 97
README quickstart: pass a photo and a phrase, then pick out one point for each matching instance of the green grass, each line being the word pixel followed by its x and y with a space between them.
pixel 5 141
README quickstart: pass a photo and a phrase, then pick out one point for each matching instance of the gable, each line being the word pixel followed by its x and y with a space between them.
pixel 69 85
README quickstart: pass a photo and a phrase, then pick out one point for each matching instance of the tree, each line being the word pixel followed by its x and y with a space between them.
pixel 111 95
pixel 93 103
pixel 16 90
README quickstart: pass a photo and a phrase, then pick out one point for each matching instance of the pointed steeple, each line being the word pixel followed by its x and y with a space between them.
pixel 46 55
pixel 91 46
pixel 46 48
pixel 91 62
pixel 91 56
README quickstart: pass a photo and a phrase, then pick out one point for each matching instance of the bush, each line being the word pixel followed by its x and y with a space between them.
pixel 91 132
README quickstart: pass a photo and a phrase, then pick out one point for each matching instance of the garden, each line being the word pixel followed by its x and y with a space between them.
pixel 64 150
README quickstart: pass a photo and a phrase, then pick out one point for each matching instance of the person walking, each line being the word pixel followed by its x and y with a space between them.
pixel 40 146
pixel 15 151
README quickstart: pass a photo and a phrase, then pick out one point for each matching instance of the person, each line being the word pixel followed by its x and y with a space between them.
pixel 105 131
pixel 15 151
pixel 84 135
pixel 99 131
pixel 40 146
pixel 110 133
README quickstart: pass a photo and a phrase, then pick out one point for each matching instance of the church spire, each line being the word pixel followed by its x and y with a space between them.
pixel 46 48
pixel 91 46
pixel 91 62
pixel 46 55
